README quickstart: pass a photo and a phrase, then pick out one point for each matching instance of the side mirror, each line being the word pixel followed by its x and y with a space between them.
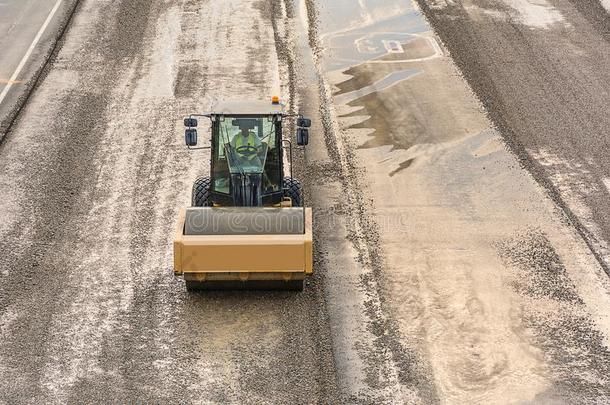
pixel 190 122
pixel 190 137
pixel 304 122
pixel 302 136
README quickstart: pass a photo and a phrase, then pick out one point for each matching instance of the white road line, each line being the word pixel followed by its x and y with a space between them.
pixel 438 52
pixel 27 55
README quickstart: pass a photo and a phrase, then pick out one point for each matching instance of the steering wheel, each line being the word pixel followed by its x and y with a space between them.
pixel 247 150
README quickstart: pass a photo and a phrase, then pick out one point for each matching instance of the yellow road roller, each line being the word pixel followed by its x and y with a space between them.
pixel 247 227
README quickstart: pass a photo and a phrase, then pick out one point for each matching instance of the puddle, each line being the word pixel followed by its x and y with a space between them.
pixel 370 46
pixel 385 83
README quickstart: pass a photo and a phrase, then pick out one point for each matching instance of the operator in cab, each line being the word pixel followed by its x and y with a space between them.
pixel 246 144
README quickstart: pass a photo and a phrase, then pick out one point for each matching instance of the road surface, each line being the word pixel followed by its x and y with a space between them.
pixel 499 300
pixel 554 116
pixel 444 272
pixel 28 32
pixel 90 310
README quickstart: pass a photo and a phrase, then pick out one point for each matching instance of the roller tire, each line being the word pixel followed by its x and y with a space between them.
pixel 258 285
pixel 202 196
pixel 293 189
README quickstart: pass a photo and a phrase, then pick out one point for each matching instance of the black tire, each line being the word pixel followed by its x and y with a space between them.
pixel 294 190
pixel 201 192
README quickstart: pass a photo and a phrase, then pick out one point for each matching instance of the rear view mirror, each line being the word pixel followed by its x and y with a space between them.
pixel 304 122
pixel 302 136
pixel 190 122
pixel 190 137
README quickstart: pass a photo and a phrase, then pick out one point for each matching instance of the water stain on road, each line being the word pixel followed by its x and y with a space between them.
pixel 491 329
pixel 367 64
pixel 378 86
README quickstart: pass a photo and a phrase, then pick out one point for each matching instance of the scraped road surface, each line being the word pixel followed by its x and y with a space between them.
pixel 492 296
pixel 444 272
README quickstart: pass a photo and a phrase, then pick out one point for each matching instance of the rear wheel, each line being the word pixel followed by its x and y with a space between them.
pixel 294 190
pixel 201 192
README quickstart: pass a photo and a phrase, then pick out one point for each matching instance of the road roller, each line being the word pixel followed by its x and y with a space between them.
pixel 247 226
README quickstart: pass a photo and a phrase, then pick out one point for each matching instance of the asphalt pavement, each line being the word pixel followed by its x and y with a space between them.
pixel 29 30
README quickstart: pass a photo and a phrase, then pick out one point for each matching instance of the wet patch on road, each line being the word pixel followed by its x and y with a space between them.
pixel 383 368
pixel 380 85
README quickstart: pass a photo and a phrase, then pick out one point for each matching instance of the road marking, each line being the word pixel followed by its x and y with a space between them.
pixel 4 81
pixel 27 55
pixel 380 85
pixel 393 46
pixel 438 52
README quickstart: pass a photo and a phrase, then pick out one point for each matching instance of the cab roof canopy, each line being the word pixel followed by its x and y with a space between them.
pixel 256 107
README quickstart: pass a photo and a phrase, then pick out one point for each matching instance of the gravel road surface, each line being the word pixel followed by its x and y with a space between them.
pixel 92 178
pixel 445 273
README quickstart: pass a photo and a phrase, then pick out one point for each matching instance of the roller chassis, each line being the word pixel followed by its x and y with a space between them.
pixel 249 204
